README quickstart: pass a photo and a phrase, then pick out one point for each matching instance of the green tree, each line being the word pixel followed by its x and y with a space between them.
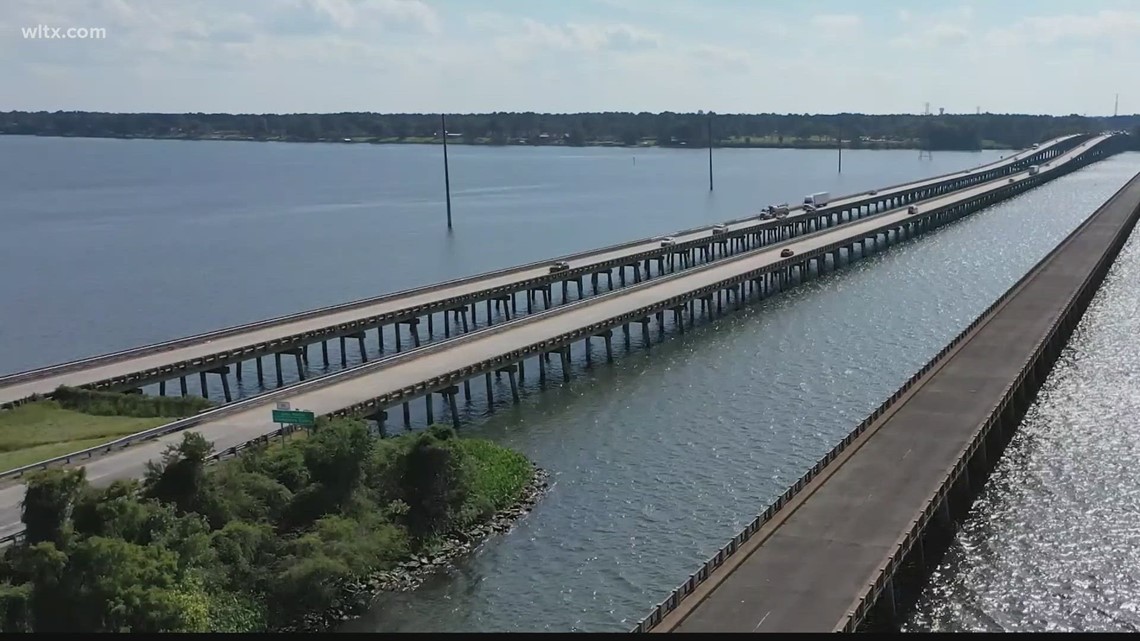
pixel 48 505
pixel 434 487
pixel 180 477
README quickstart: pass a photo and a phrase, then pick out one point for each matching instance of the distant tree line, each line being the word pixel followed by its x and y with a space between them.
pixel 951 131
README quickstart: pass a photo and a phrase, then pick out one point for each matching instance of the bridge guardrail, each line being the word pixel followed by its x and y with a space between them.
pixel 705 571
pixel 222 333
pixel 325 381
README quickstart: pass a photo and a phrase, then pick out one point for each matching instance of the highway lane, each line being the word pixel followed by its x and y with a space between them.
pixel 105 368
pixel 364 383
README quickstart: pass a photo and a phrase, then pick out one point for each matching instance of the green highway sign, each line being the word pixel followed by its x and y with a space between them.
pixel 295 417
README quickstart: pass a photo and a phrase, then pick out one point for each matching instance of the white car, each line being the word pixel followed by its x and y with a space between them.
pixel 668 241
pixel 719 229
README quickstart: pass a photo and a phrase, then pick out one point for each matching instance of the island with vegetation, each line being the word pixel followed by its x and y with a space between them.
pixel 289 536
pixel 666 129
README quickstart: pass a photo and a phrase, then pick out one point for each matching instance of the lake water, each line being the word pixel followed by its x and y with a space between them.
pixel 656 460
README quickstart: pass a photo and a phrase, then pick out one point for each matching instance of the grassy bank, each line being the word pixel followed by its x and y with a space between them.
pixel 76 419
pixel 260 542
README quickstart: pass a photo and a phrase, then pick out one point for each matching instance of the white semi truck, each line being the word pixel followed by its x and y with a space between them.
pixel 816 200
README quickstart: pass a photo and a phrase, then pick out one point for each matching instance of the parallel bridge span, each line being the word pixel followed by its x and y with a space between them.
pixel 437 368
pixel 456 300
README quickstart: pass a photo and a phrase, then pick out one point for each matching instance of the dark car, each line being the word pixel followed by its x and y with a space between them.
pixel 787 252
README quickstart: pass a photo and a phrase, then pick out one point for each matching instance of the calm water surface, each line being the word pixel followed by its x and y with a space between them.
pixel 656 460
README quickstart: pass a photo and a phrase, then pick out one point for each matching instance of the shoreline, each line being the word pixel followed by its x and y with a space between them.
pixel 820 145
pixel 361 595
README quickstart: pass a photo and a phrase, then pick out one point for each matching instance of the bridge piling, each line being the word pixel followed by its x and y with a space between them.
pixel 202 384
pixel 428 406
pixel 237 371
pixel 407 415
pixel 162 388
pixel 223 371
pixel 260 374
pixel 182 385
pixel 449 394
pixel 490 392
pixel 565 354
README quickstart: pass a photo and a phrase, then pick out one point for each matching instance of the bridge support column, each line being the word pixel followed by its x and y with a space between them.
pixel 660 324
pixel 459 314
pixel 296 354
pixel 325 352
pixel 359 336
pixel 510 370
pixel 430 408
pixel 237 371
pixel 407 415
pixel 223 371
pixel 679 318
pixel 608 336
pixel 413 329
pixel 645 331
pixel 260 371
pixel 381 418
pixel 162 388
pixel 449 394
pixel 431 324
pixel 202 384
pixel 182 385
pixel 565 354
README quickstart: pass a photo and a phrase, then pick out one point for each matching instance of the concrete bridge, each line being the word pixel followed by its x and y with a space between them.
pixel 400 317
pixel 439 371
pixel 848 546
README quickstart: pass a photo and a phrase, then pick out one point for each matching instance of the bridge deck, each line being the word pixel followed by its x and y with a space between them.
pixel 105 368
pixel 806 574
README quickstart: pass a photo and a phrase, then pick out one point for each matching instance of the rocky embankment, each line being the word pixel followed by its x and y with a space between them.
pixel 408 575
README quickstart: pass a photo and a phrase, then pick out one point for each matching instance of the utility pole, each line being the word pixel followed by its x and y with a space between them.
pixel 710 152
pixel 446 173
pixel 839 138
pixel 1116 107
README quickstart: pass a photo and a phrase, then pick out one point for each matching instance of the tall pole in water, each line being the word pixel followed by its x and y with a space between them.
pixel 840 140
pixel 710 153
pixel 446 173
pixel 1116 106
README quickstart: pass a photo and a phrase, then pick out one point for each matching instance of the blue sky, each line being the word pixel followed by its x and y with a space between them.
pixel 799 56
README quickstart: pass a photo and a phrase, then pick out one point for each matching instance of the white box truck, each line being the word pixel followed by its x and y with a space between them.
pixel 817 200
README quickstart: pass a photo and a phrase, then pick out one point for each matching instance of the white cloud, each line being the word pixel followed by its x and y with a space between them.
pixel 407 55
pixel 837 24
pixel 1100 27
